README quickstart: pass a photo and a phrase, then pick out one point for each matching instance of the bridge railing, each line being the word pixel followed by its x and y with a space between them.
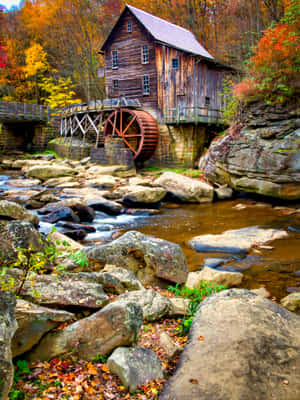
pixel 24 111
pixel 194 115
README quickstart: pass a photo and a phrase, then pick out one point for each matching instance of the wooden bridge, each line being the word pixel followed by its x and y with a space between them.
pixel 21 112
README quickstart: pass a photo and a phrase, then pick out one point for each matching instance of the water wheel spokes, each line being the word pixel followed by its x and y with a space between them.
pixel 137 128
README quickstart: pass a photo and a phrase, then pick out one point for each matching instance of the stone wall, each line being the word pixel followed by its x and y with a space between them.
pixel 25 137
pixel 114 152
pixel 179 146
pixel 74 152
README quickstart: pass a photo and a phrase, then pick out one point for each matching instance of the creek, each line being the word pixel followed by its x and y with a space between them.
pixel 277 267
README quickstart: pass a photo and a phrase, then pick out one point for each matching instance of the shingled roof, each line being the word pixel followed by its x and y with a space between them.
pixel 167 33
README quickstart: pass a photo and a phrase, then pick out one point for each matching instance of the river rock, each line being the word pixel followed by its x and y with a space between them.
pixel 121 171
pixel 45 172
pixel 118 280
pixel 20 235
pixel 186 189
pixel 237 240
pixel 33 322
pixel 224 192
pixel 24 182
pixel 7 329
pixel 54 182
pixel 147 257
pixel 63 243
pixel 179 306
pixel 51 291
pixel 135 366
pixel 62 214
pixel 168 345
pixel 240 346
pixel 259 155
pixel 104 181
pixel 10 210
pixel 229 279
pixel 19 164
pixel 75 234
pixel 73 225
pixel 154 305
pixel 291 302
pixel 143 194
pixel 115 325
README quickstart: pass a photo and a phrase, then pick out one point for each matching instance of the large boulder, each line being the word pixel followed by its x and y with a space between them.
pixel 236 240
pixel 7 329
pixel 45 172
pixel 33 322
pixel 143 194
pixel 13 211
pixel 56 291
pixel 260 155
pixel 186 189
pixel 147 257
pixel 154 305
pixel 241 346
pixel 135 366
pixel 115 325
pixel 19 235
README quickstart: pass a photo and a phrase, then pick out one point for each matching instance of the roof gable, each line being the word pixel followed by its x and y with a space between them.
pixel 166 32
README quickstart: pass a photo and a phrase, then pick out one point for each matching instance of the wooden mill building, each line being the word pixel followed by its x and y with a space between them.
pixel 164 66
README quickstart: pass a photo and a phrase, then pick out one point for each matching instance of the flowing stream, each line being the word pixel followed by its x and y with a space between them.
pixel 276 268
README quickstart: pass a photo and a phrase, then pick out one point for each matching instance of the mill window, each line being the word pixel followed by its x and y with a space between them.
pixel 175 63
pixel 115 84
pixel 207 101
pixel 115 59
pixel 146 84
pixel 129 26
pixel 145 54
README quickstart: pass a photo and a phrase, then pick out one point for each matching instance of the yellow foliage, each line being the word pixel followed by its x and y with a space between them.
pixel 36 61
pixel 59 94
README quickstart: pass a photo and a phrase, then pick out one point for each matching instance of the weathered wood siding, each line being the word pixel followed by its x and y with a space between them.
pixel 130 70
pixel 189 85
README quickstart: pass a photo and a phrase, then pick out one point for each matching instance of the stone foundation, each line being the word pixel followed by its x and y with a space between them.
pixel 74 152
pixel 25 137
pixel 114 152
pixel 179 146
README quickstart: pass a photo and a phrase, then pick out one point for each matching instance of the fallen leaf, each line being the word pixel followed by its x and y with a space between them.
pixel 201 338
pixel 194 381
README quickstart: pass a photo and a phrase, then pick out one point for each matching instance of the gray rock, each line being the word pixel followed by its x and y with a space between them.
pixel 168 345
pixel 118 280
pixel 179 306
pixel 53 291
pixel 135 366
pixel 262 157
pixel 143 194
pixel 237 240
pixel 7 329
pixel 249 350
pixel 147 257
pixel 44 172
pixel 33 322
pixel 186 189
pixel 13 211
pixel 291 302
pixel 229 279
pixel 224 192
pixel 115 325
pixel 20 235
pixel 153 304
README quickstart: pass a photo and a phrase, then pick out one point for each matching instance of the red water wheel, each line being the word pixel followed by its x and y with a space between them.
pixel 137 128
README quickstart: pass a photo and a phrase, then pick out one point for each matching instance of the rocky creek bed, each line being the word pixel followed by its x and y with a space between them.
pixel 140 231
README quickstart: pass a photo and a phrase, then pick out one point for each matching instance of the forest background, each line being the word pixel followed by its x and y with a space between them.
pixel 49 49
